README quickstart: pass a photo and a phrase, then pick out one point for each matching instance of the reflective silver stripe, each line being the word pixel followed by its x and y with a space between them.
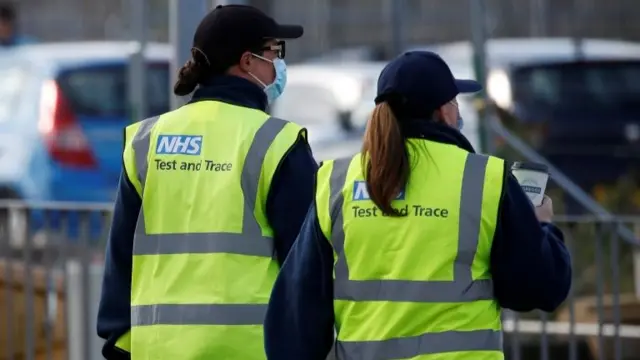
pixel 431 343
pixel 249 242
pixel 198 314
pixel 203 243
pixel 140 146
pixel 461 289
pixel 250 180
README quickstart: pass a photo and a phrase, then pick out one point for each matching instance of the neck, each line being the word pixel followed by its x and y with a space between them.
pixel 247 76
pixel 232 89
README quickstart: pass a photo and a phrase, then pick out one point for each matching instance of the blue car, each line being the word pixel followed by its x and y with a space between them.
pixel 63 107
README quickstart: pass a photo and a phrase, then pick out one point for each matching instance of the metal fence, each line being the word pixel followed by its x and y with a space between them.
pixel 50 278
pixel 51 265
pixel 600 318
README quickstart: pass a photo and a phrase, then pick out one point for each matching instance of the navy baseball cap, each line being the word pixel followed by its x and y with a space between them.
pixel 229 30
pixel 417 83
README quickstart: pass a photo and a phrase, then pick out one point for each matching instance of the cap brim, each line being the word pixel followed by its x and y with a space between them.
pixel 288 32
pixel 468 86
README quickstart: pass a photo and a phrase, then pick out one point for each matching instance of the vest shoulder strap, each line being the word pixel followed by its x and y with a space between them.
pixel 136 148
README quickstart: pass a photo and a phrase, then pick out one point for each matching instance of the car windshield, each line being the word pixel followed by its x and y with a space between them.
pixel 606 86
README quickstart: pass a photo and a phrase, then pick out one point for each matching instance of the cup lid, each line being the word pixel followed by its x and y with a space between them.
pixel 532 166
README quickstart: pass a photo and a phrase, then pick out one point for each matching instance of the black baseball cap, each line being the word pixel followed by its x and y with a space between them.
pixel 417 83
pixel 229 30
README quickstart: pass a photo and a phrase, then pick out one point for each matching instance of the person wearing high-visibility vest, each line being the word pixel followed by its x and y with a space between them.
pixel 413 246
pixel 211 199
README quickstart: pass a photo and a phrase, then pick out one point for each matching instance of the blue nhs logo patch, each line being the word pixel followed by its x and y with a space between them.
pixel 179 144
pixel 360 192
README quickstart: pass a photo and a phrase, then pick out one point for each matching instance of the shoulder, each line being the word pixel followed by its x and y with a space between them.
pixel 491 169
pixel 139 130
pixel 143 123
pixel 287 128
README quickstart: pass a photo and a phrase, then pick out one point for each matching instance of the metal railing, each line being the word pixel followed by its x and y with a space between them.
pixel 607 334
pixel 51 266
pixel 600 318
pixel 50 278
pixel 495 127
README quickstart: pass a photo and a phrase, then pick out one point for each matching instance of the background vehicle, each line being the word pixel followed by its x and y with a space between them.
pixel 351 54
pixel 334 101
pixel 63 108
pixel 327 100
pixel 579 107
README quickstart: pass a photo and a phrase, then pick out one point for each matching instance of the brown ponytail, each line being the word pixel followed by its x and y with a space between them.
pixel 385 159
pixel 188 78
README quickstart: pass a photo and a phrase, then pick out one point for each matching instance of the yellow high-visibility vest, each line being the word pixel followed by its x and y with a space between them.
pixel 415 287
pixel 203 253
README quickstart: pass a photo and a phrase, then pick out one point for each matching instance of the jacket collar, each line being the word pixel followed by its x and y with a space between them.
pixel 429 130
pixel 231 90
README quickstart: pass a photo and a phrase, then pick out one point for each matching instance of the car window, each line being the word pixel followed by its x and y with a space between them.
pixel 306 105
pixel 13 82
pixel 104 91
pixel 608 85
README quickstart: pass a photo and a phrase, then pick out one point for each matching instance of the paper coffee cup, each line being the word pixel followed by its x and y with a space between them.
pixel 533 178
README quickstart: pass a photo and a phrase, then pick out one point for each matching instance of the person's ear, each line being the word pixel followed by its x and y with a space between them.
pixel 245 61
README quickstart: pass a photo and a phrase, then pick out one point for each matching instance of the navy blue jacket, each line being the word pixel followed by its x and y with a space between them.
pixel 288 200
pixel 530 267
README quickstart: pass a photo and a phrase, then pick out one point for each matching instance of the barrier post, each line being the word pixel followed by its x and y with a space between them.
pixel 96 270
pixel 636 262
pixel 75 311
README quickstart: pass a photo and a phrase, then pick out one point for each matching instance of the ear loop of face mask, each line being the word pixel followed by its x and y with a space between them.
pixel 459 120
pixel 255 77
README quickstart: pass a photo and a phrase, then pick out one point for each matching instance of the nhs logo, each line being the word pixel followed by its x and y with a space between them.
pixel 360 192
pixel 179 144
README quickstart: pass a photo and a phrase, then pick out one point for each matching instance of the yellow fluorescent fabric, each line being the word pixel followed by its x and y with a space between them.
pixel 419 286
pixel 203 265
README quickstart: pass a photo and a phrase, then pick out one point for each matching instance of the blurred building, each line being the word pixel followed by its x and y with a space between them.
pixel 344 23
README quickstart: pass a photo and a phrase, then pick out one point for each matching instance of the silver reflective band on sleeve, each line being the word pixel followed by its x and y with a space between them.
pixel 426 344
pixel 198 314
pixel 462 289
pixel 249 242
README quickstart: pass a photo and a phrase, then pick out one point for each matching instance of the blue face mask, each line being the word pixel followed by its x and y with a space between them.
pixel 276 88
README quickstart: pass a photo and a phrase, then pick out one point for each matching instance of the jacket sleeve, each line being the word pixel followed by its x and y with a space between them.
pixel 300 322
pixel 114 311
pixel 291 193
pixel 530 264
